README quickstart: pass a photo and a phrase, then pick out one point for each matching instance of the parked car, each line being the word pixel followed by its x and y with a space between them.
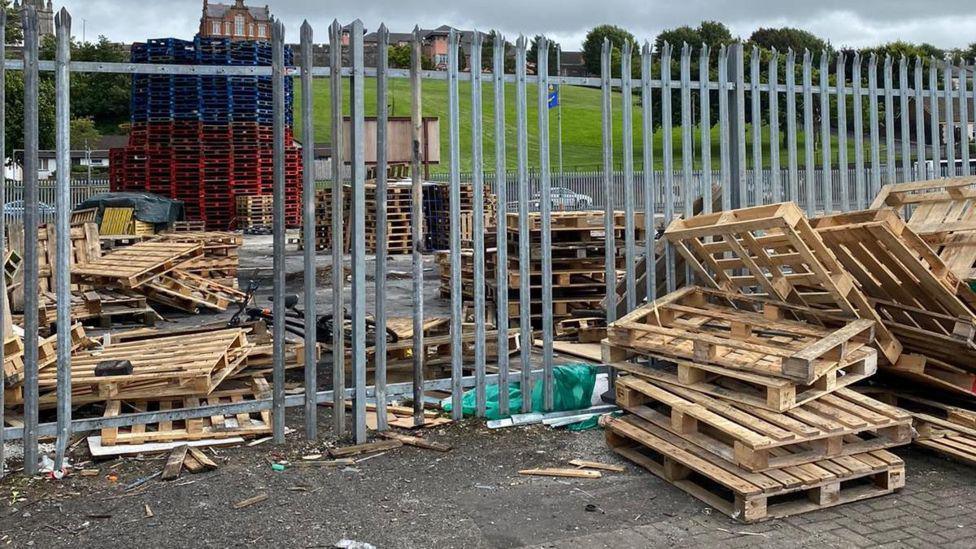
pixel 15 209
pixel 565 199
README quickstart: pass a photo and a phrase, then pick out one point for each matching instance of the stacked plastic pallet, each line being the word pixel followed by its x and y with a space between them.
pixel 206 140
pixel 437 213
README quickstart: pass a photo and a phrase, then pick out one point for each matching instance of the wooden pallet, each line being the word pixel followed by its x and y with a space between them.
pixel 188 292
pixel 135 265
pixel 839 424
pixel 85 248
pixel 893 265
pixel 166 366
pixel 748 496
pixel 943 428
pixel 765 392
pixel 575 221
pixel 781 256
pixel 214 426
pixel 942 213
pixel 932 372
pixel 741 333
pixel 116 221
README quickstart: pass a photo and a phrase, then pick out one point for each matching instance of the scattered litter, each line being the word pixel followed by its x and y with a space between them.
pixel 741 533
pixel 350 544
pixel 148 512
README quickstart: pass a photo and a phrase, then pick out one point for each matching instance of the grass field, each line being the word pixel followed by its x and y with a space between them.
pixel 581 123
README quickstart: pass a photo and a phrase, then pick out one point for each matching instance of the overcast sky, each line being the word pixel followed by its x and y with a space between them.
pixel 944 23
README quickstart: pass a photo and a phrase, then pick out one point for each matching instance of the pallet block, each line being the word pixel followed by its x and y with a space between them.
pixel 765 392
pixel 739 333
pixel 752 497
pixel 838 424
pixel 780 255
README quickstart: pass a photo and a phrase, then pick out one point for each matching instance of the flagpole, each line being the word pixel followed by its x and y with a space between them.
pixel 559 108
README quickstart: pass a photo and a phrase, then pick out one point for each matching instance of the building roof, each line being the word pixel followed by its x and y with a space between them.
pixel 220 10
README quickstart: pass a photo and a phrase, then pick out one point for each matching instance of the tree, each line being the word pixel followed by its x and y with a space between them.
pixel 711 33
pixel 84 134
pixel 399 56
pixel 15 34
pixel 784 38
pixel 14 135
pixel 593 46
pixel 532 56
pixel 104 98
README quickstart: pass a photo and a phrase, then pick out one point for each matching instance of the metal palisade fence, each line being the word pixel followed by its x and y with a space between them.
pixel 656 171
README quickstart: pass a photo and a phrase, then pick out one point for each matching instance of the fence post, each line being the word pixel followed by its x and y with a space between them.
pixel 737 126
pixel 63 246
pixel 416 228
pixel 29 22
pixel 338 227
pixel 278 79
pixel 357 148
pixel 309 228
pixel 3 203
pixel 381 228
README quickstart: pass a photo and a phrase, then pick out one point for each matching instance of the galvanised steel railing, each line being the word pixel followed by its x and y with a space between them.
pixel 724 94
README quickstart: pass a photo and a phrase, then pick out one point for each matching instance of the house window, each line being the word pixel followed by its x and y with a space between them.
pixel 227 29
pixel 261 32
pixel 251 30
pixel 215 27
pixel 239 25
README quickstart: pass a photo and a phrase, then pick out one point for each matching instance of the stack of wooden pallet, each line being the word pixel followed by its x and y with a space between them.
pixel 946 428
pixel 47 355
pixel 867 264
pixel 154 269
pixel 578 262
pixel 220 259
pixel 85 248
pixel 255 211
pixel 164 370
pixel 437 213
pixel 743 402
pixel 399 225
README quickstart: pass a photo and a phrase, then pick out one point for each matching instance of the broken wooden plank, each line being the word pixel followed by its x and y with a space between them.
pixel 174 464
pixel 584 464
pixel 368 448
pixel 251 501
pixel 569 473
pixel 204 460
pixel 416 441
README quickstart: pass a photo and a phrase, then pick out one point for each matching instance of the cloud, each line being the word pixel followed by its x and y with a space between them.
pixel 947 23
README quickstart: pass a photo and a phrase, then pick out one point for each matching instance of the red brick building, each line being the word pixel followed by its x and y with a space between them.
pixel 237 21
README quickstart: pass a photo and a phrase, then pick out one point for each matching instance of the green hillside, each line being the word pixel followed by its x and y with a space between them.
pixel 581 122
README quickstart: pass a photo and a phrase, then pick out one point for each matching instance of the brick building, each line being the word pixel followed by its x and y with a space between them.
pixel 237 21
